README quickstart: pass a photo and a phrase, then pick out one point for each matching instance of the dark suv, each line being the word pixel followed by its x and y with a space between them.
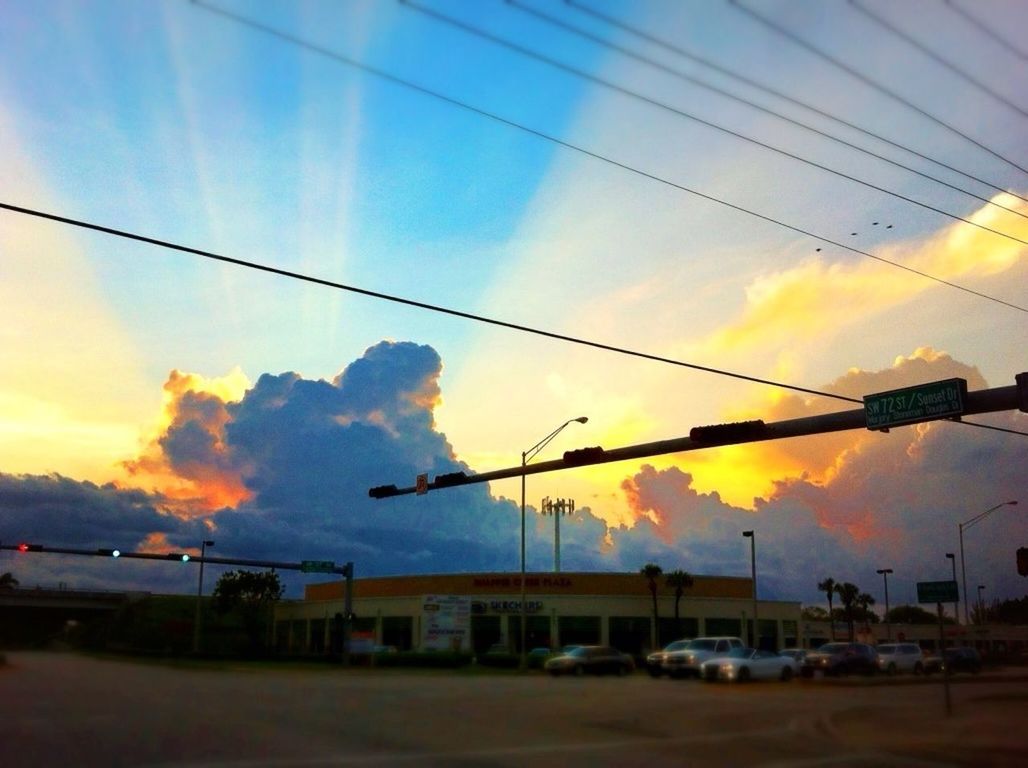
pixel 841 659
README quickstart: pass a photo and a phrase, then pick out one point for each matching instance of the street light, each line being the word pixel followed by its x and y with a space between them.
pixel 527 456
pixel 981 605
pixel 199 596
pixel 953 561
pixel 967 524
pixel 885 575
pixel 753 573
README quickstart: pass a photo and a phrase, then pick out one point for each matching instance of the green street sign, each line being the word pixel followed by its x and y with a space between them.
pixel 937 592
pixel 317 566
pixel 910 405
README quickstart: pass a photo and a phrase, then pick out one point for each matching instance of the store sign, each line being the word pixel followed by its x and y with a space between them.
pixel 514 582
pixel 514 606
pixel 445 623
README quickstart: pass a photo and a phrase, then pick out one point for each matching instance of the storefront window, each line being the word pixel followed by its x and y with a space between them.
pixel 630 634
pixel 724 628
pixel 579 630
pixel 398 631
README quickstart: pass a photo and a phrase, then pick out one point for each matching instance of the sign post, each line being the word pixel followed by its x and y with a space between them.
pixel 940 592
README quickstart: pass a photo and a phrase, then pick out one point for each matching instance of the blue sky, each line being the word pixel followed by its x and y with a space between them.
pixel 169 120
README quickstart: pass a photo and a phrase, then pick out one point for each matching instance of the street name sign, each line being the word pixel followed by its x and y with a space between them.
pixel 936 592
pixel 317 566
pixel 911 405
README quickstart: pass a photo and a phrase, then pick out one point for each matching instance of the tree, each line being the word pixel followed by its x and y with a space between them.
pixel 913 614
pixel 865 601
pixel 652 572
pixel 679 580
pixel 828 587
pixel 7 580
pixel 251 595
pixel 848 594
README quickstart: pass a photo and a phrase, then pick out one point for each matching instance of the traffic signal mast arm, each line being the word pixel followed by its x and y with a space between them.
pixel 981 401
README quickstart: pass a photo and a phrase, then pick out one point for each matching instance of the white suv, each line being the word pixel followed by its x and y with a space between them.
pixel 687 661
pixel 900 657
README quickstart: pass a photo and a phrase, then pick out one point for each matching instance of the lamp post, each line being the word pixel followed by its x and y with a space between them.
pixel 967 524
pixel 981 605
pixel 527 456
pixel 753 573
pixel 885 575
pixel 199 597
pixel 952 560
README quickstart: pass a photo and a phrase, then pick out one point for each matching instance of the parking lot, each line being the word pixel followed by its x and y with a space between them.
pixel 72 710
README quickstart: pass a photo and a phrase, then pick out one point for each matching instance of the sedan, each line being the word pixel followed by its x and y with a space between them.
pixel 593 659
pixel 954 660
pixel 743 664
pixel 841 659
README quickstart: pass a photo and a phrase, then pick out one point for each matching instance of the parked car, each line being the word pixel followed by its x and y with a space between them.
pixel 686 662
pixel 537 657
pixel 961 659
pixel 744 664
pixel 797 655
pixel 841 659
pixel 591 659
pixel 655 661
pixel 900 657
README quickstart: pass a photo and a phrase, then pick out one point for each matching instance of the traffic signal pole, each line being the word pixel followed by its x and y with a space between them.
pixel 981 401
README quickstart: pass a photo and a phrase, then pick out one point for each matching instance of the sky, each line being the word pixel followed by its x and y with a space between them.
pixel 620 172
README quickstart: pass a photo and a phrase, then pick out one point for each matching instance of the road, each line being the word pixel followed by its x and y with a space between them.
pixel 68 710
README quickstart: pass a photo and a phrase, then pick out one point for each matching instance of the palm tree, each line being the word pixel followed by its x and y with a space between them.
pixel 652 572
pixel 828 587
pixel 865 601
pixel 680 580
pixel 848 594
pixel 7 581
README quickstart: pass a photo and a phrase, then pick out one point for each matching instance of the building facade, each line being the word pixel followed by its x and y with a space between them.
pixel 476 611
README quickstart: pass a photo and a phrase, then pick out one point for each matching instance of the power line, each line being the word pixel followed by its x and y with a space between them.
pixel 481 33
pixel 407 302
pixel 678 50
pixel 560 23
pixel 790 35
pixel 884 23
pixel 435 307
pixel 986 30
pixel 334 56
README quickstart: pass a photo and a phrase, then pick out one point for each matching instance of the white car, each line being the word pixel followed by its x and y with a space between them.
pixel 900 657
pixel 743 664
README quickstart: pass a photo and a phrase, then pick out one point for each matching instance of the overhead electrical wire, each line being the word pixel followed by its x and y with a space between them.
pixel 167 244
pixel 383 75
pixel 481 33
pixel 679 51
pixel 986 30
pixel 941 60
pixel 792 36
pixel 575 30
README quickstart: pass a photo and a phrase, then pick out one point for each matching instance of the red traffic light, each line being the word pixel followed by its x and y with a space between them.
pixel 23 547
pixel 30 547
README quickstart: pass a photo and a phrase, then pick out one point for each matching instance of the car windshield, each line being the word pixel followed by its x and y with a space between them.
pixel 677 645
pixel 740 653
pixel 832 648
pixel 702 645
pixel 579 651
pixel 886 650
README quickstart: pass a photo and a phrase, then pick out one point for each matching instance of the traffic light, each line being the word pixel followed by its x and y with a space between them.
pixel 382 491
pixel 109 552
pixel 582 456
pixel 725 434
pixel 447 480
pixel 30 547
pixel 1022 561
pixel 177 556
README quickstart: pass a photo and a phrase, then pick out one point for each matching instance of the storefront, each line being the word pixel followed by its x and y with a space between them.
pixel 474 612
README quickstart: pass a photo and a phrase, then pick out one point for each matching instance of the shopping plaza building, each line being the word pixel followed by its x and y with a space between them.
pixel 472 612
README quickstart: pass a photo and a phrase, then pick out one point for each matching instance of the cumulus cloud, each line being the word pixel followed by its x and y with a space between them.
pixel 304 452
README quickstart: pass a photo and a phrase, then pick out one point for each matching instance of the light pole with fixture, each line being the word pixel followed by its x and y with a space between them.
pixel 527 456
pixel 753 574
pixel 885 575
pixel 956 615
pixel 967 524
pixel 199 597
